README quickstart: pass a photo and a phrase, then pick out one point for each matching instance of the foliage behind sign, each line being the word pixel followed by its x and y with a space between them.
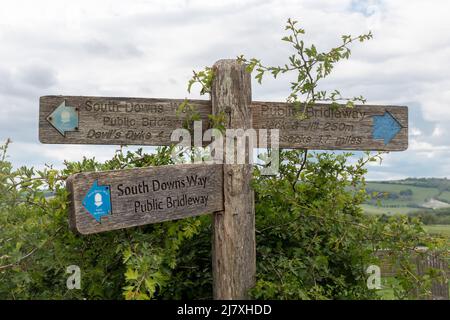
pixel 312 238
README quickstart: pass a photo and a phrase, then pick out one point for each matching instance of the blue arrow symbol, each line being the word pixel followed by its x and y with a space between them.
pixel 64 118
pixel 385 127
pixel 98 201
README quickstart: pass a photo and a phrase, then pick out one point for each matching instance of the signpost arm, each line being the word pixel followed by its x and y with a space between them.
pixel 233 247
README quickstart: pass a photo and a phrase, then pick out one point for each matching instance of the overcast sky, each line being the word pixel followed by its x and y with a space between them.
pixel 149 49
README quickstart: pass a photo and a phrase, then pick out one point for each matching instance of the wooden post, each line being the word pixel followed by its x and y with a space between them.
pixel 233 247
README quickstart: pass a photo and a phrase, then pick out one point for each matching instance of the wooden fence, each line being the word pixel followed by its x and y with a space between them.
pixel 423 261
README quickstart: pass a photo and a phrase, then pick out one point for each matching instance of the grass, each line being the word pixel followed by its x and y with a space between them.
pixel 445 196
pixel 402 205
pixel 371 209
pixel 387 293
pixel 419 196
pixel 440 229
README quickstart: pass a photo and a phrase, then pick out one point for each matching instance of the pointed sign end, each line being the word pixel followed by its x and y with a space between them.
pixel 385 127
pixel 64 118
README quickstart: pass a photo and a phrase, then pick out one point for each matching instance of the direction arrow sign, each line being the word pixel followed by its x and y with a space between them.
pixel 139 121
pixel 385 127
pixel 98 201
pixel 64 118
pixel 116 121
pixel 364 127
pixel 102 201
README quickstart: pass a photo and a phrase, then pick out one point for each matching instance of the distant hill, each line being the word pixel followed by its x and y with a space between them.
pixel 439 183
pixel 408 196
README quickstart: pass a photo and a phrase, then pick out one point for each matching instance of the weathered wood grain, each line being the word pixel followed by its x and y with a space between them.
pixel 437 261
pixel 330 129
pixel 234 250
pixel 126 214
pixel 140 121
pixel 118 121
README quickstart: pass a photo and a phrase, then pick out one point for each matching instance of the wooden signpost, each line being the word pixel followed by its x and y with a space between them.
pixel 102 201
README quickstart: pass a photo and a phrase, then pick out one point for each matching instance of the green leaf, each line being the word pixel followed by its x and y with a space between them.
pixel 131 274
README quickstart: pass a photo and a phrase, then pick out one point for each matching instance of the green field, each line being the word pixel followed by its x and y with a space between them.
pixel 387 198
pixel 373 209
pixel 387 293
pixel 445 196
pixel 419 194
pixel 440 229
pixel 429 198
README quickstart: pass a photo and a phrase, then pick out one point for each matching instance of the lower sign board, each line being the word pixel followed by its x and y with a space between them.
pixel 363 127
pixel 109 200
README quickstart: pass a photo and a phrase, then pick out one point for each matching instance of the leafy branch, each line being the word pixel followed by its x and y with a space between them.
pixel 204 78
pixel 311 66
pixel 29 254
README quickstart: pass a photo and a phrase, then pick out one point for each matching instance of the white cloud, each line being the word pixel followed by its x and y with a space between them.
pixel 421 146
pixel 437 132
pixel 435 99
pixel 415 132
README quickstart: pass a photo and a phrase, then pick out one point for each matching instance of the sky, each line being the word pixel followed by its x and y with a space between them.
pixel 149 49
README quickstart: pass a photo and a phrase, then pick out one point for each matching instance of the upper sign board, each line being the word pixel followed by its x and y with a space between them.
pixel 363 127
pixel 140 121
pixel 114 121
